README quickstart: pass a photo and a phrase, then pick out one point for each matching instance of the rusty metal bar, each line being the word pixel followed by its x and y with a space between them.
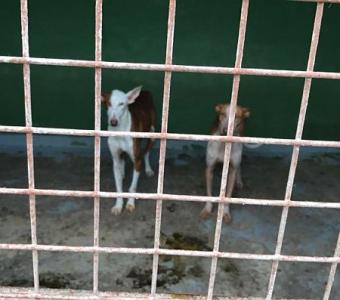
pixel 318 1
pixel 173 197
pixel 27 293
pixel 97 110
pixel 162 151
pixel 29 137
pixel 171 136
pixel 174 252
pixel 227 151
pixel 332 271
pixel 296 149
pixel 168 68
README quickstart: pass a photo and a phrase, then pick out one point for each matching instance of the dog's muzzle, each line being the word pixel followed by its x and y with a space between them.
pixel 114 122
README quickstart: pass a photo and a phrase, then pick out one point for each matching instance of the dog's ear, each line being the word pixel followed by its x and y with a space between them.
pixel 220 108
pixel 133 94
pixel 105 98
pixel 245 112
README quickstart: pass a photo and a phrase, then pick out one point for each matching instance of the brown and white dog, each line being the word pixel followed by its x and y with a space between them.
pixel 215 154
pixel 131 111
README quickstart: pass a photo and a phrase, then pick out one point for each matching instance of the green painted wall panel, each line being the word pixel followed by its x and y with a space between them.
pixel 10 30
pixel 11 95
pixel 134 31
pixel 62 29
pixel 64 98
pixel 278 36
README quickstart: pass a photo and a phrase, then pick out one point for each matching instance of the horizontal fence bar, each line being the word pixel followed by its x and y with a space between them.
pixel 173 197
pixel 317 1
pixel 168 68
pixel 173 252
pixel 170 136
pixel 28 293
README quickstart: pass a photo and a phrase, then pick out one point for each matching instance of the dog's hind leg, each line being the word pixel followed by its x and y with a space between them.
pixel 148 170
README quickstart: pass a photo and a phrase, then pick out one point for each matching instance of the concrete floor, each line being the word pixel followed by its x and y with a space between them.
pixel 69 221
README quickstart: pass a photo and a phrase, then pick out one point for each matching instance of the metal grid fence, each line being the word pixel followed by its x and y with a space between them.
pixel 97 133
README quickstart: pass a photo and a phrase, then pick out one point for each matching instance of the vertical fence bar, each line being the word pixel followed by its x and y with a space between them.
pixel 332 271
pixel 296 149
pixel 162 151
pixel 227 151
pixel 97 127
pixel 29 138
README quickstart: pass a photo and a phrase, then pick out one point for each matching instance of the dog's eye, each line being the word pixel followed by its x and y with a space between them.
pixel 120 104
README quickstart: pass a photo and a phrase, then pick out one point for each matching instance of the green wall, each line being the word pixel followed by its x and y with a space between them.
pixel 278 36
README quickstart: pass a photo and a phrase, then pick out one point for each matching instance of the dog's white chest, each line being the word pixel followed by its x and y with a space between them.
pixel 121 144
pixel 215 152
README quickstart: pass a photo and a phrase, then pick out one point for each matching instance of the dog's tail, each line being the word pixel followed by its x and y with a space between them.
pixel 252 146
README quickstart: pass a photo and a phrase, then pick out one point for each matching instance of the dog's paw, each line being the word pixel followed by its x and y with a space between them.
pixel 149 173
pixel 205 213
pixel 226 218
pixel 130 208
pixel 116 210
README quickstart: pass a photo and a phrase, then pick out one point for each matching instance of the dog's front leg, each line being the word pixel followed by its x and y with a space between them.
pixel 230 187
pixel 209 175
pixel 130 205
pixel 118 170
pixel 239 181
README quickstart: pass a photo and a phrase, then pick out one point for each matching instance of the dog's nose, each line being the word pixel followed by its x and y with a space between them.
pixel 114 122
